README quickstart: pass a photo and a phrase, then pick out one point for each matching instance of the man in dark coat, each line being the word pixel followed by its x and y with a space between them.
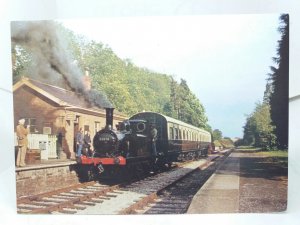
pixel 153 135
pixel 87 143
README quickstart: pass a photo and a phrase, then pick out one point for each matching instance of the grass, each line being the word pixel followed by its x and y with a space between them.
pixel 278 153
pixel 279 157
pixel 247 148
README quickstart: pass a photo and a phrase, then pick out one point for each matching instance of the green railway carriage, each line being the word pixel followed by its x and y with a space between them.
pixel 176 139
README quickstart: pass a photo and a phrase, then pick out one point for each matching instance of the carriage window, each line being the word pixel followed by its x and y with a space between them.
pixel 176 133
pixel 180 135
pixel 171 133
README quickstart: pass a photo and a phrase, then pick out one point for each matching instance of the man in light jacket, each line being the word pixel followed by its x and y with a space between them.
pixel 22 133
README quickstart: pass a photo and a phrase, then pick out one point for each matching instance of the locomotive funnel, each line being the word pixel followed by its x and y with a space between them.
pixel 109 117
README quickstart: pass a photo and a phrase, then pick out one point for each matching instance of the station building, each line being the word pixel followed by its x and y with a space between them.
pixel 56 113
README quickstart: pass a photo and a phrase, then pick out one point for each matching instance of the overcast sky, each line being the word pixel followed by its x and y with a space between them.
pixel 225 59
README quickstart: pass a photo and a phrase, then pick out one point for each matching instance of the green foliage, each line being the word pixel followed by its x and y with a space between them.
pixel 258 130
pixel 185 106
pixel 226 143
pixel 21 61
pixel 217 143
pixel 217 134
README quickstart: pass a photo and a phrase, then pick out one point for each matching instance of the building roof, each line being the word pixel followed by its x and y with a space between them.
pixel 60 96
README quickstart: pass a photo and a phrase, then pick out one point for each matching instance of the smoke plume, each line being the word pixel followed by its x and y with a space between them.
pixel 51 57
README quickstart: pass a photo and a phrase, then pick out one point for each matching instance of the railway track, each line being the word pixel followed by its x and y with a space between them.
pixel 144 196
pixel 66 200
pixel 176 198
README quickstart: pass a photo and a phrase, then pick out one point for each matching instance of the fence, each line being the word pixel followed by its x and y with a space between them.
pixel 46 143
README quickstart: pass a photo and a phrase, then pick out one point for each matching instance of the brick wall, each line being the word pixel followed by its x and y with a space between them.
pixel 41 180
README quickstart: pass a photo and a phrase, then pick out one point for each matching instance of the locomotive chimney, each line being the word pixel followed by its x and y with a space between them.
pixel 109 117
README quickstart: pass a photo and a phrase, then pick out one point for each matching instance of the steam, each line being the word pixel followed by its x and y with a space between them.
pixel 51 58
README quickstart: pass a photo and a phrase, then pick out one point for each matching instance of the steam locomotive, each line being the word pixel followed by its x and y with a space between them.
pixel 128 149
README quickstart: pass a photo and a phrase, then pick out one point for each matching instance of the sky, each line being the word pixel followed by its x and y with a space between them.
pixel 225 59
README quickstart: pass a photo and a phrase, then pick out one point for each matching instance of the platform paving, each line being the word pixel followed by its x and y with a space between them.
pixel 46 164
pixel 244 183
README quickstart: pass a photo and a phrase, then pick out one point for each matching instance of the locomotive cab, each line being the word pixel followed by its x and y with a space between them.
pixel 137 138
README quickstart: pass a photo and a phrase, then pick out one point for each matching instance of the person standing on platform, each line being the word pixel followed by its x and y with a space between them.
pixel 79 142
pixel 87 143
pixel 22 133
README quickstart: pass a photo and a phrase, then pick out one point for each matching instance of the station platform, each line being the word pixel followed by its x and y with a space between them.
pixel 47 164
pixel 244 183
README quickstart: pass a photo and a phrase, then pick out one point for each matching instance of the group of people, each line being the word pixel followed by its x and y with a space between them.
pixel 83 143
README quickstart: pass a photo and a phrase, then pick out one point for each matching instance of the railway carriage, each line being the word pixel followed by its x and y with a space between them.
pixel 176 139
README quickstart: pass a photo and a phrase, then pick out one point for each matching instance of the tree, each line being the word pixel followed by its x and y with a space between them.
pixel 188 107
pixel 280 84
pixel 258 130
pixel 21 61
pixel 217 134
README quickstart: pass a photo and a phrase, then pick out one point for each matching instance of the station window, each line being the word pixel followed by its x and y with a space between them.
pixel 32 123
pixel 97 127
pixel 60 121
pixel 86 128
pixel 47 128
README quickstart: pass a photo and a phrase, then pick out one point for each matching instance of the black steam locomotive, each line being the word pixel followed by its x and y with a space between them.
pixel 128 149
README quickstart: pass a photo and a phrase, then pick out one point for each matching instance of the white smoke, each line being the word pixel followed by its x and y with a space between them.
pixel 51 57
